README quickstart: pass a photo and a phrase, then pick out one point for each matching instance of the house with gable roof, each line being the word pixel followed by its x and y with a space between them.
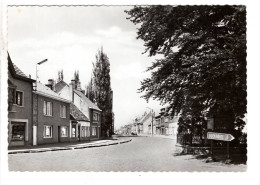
pixel 85 120
pixel 51 115
pixel 19 106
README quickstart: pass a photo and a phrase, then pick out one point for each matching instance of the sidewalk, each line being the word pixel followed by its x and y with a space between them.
pixel 66 146
pixel 160 136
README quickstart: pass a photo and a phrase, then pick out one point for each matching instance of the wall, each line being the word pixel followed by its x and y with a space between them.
pixel 55 120
pixel 148 121
pixel 66 93
pixel 22 112
pixel 95 123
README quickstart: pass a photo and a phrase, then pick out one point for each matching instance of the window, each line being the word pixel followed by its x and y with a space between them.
pixel 63 111
pixel 64 131
pixel 95 116
pixel 47 133
pixel 47 108
pixel 18 131
pixel 73 131
pixel 85 131
pixel 19 98
pixel 94 131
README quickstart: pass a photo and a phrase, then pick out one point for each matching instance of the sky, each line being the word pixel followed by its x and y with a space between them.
pixel 69 37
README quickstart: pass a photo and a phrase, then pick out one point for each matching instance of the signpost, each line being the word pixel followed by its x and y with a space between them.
pixel 220 137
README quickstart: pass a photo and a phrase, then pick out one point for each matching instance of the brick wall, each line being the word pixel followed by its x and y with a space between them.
pixel 23 112
pixel 55 120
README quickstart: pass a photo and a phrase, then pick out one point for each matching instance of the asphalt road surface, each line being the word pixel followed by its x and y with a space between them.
pixel 141 154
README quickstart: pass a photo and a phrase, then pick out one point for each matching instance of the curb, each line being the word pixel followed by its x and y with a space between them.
pixel 67 148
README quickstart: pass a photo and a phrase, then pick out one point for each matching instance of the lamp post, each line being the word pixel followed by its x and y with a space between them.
pixel 39 63
pixel 35 125
pixel 152 119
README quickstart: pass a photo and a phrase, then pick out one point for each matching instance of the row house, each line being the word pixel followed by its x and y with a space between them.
pixel 20 89
pixel 51 116
pixel 85 115
pixel 41 114
pixel 166 124
pixel 147 122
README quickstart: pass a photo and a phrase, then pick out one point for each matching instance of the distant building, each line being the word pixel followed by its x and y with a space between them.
pixel 166 124
pixel 147 121
pixel 19 106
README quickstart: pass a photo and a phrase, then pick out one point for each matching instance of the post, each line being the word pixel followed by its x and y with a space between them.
pixel 211 151
pixel 152 123
pixel 227 150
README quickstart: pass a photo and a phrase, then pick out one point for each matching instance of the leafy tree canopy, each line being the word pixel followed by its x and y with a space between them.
pixel 203 68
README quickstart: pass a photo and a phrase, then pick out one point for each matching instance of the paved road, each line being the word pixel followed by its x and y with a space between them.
pixel 141 154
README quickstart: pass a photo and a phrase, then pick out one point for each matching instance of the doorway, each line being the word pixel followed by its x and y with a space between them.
pixel 59 134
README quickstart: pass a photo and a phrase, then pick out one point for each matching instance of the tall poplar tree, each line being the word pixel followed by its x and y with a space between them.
pixel 99 90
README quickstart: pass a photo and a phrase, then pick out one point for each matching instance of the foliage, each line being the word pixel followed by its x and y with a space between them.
pixel 99 89
pixel 60 75
pixel 203 68
pixel 77 80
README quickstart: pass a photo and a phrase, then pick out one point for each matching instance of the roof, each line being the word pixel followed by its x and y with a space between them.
pixel 60 85
pixel 10 84
pixel 47 92
pixel 90 103
pixel 16 72
pixel 77 114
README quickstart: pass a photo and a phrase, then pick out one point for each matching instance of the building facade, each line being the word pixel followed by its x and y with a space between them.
pixel 87 126
pixel 51 116
pixel 19 106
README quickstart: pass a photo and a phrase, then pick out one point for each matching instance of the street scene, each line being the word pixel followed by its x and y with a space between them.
pixel 127 88
pixel 141 154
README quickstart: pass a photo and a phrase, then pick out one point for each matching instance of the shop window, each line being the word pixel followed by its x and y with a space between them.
pixel 47 133
pixel 19 98
pixel 73 131
pixel 85 131
pixel 94 131
pixel 64 131
pixel 18 132
pixel 47 108
pixel 63 111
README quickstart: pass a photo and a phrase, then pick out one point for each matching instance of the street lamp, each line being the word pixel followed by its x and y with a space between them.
pixel 39 63
pixel 152 119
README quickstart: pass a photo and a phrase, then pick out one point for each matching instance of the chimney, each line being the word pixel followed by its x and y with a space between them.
pixel 73 84
pixel 79 86
pixel 50 84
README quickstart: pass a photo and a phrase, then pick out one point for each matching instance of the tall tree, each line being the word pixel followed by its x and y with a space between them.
pixel 90 91
pixel 99 90
pixel 203 64
pixel 60 75
pixel 77 80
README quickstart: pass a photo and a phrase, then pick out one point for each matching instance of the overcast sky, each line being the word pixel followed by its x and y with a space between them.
pixel 69 38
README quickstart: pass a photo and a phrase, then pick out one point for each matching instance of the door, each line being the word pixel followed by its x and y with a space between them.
pixel 79 132
pixel 59 133
pixel 34 135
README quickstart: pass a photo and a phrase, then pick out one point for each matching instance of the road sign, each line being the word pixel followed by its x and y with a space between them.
pixel 220 136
